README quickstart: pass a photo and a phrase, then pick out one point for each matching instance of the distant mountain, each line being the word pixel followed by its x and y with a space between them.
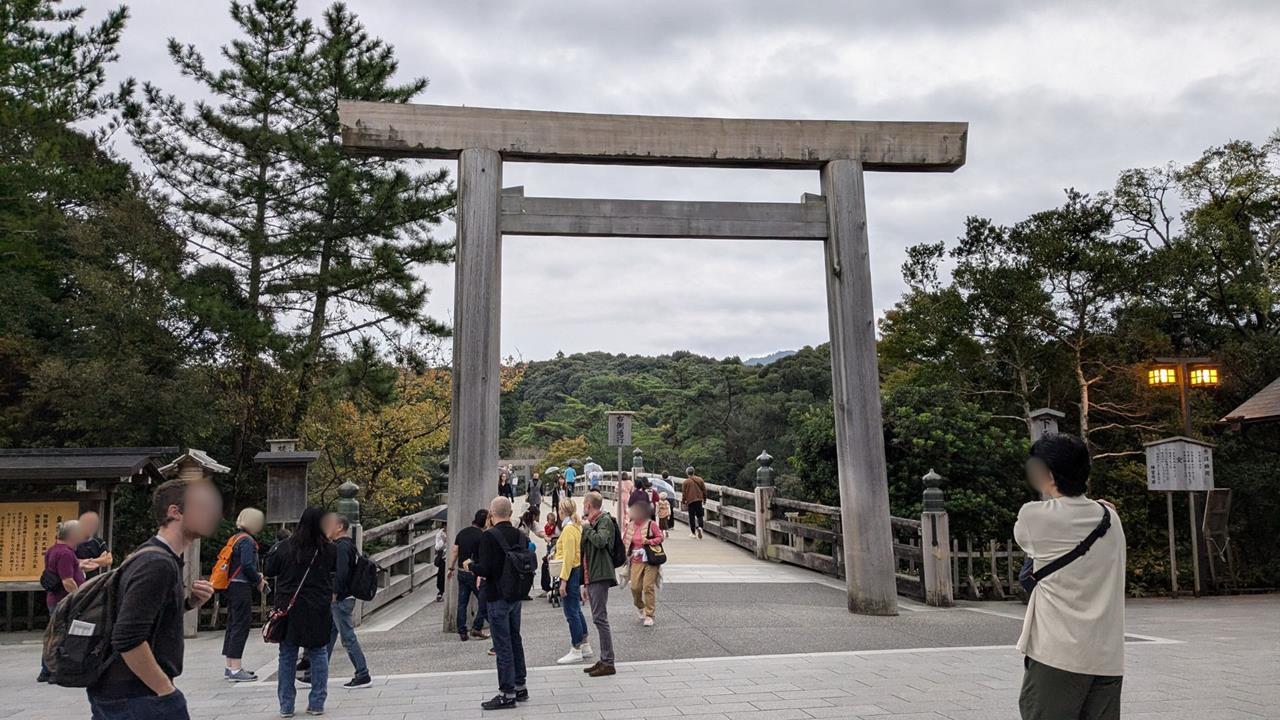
pixel 770 358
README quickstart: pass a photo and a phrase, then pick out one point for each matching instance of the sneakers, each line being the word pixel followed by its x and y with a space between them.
pixel 648 622
pixel 463 636
pixel 358 681
pixel 439 597
pixel 315 712
pixel 240 675
pixel 603 670
pixel 699 533
pixel 573 656
pixel 587 652
pixel 499 702
pixel 286 713
pixel 306 678
pixel 522 694
pixel 480 634
pixel 642 615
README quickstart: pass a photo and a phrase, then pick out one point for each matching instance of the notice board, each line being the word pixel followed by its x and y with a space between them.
pixel 27 529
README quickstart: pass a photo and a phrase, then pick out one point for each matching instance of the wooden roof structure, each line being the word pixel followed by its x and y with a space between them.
pixel 200 458
pixel 1262 407
pixel 69 464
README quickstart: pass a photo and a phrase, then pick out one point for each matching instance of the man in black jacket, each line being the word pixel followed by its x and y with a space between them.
pixel 338 528
pixel 147 634
pixel 504 613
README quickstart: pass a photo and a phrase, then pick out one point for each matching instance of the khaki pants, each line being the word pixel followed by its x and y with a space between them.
pixel 644 587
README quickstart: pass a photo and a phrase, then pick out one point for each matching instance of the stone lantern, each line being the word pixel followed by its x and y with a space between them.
pixel 1043 421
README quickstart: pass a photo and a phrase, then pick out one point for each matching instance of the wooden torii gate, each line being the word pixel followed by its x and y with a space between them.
pixel 482 138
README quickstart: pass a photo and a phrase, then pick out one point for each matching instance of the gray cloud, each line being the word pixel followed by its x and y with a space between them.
pixel 1057 95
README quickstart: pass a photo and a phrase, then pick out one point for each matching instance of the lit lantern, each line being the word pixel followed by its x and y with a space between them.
pixel 1162 376
pixel 1203 376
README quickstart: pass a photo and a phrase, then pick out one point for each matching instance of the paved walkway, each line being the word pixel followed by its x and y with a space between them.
pixel 739 639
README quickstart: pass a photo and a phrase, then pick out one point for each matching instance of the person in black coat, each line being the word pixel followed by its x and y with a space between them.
pixel 303 567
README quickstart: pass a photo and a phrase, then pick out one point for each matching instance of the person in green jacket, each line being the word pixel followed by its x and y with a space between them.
pixel 598 535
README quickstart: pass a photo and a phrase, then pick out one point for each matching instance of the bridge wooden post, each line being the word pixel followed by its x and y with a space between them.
pixel 855 380
pixel 935 545
pixel 473 431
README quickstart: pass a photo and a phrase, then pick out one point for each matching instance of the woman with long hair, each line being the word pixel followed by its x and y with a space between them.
pixel 244 576
pixel 303 566
pixel 569 552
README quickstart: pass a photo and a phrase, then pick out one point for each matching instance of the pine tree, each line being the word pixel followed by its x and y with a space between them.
pixel 369 220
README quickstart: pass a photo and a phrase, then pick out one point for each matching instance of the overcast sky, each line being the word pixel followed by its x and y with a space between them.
pixel 1056 95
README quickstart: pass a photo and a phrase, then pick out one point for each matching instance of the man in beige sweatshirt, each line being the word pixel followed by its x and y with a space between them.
pixel 1073 632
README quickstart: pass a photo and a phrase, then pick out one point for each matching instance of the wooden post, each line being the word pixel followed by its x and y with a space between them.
pixel 1195 544
pixel 996 586
pixel 1173 548
pixel 864 486
pixel 935 530
pixel 473 432
pixel 764 499
pixel 190 574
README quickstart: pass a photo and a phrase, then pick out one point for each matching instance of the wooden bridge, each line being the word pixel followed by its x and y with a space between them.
pixel 770 527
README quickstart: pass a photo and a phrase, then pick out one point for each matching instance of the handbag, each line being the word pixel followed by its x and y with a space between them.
pixel 1029 577
pixel 273 629
pixel 653 554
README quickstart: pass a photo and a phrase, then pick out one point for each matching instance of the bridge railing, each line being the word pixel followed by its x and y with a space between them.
pixel 809 534
pixel 409 562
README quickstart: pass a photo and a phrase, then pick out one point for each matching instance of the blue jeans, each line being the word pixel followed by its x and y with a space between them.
pixel 467 588
pixel 147 707
pixel 286 674
pixel 343 624
pixel 504 623
pixel 572 605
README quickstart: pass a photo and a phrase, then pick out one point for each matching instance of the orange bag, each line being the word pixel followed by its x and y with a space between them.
pixel 219 577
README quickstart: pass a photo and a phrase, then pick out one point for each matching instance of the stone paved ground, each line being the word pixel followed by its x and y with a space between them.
pixel 1208 659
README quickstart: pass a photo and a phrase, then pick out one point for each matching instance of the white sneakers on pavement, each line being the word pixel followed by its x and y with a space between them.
pixel 648 622
pixel 586 650
pixel 573 656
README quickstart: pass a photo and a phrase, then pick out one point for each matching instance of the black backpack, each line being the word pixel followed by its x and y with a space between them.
pixel 617 553
pixel 364 578
pixel 77 641
pixel 519 565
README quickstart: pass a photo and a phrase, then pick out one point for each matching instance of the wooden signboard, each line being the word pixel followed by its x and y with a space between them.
pixel 619 424
pixel 27 529
pixel 1179 464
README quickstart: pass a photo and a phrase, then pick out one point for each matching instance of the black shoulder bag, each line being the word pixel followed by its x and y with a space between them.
pixel 1030 577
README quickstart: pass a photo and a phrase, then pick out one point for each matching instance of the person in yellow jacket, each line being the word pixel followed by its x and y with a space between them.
pixel 569 551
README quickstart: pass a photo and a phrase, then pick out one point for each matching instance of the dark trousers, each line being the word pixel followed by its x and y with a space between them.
pixel 440 574
pixel 239 599
pixel 1052 694
pixel 598 595
pixel 504 625
pixel 697 516
pixel 146 707
pixel 467 588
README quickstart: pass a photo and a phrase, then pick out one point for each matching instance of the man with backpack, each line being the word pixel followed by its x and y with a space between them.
pixel 504 570
pixel 146 644
pixel 602 554
pixel 338 528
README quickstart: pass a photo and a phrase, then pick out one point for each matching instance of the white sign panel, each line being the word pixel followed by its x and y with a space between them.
pixel 1179 465
pixel 619 429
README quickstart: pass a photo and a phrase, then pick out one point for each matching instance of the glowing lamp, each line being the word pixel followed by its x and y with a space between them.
pixel 1203 376
pixel 1162 376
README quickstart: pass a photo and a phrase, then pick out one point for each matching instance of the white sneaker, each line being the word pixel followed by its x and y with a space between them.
pixel 641 614
pixel 586 650
pixel 574 655
pixel 648 622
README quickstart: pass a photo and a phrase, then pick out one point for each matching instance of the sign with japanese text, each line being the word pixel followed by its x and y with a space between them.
pixel 1179 465
pixel 619 428
pixel 27 529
